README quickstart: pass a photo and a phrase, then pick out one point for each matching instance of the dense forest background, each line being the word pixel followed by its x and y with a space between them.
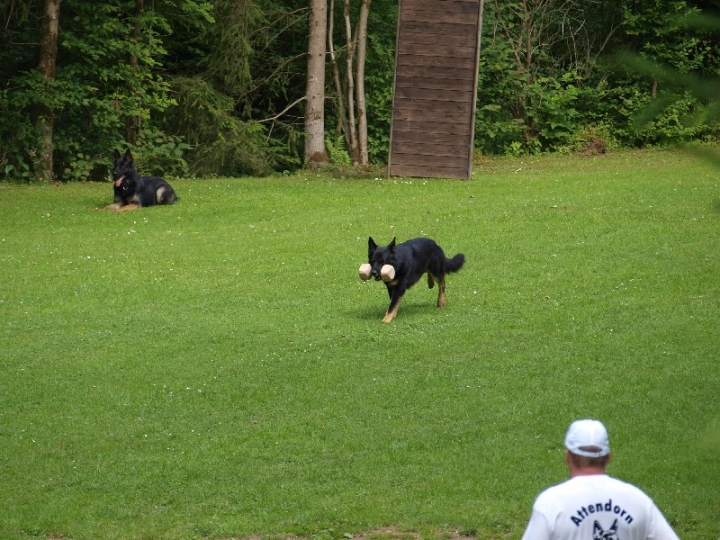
pixel 218 87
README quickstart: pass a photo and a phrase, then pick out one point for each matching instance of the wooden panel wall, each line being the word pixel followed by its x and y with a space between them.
pixel 436 63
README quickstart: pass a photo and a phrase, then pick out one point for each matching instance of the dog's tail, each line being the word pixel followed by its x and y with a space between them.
pixel 454 264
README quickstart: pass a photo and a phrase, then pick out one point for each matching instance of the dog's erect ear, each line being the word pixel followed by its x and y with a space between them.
pixel 372 246
pixel 392 245
pixel 128 155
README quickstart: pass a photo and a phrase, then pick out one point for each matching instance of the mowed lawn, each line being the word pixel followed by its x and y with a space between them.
pixel 216 369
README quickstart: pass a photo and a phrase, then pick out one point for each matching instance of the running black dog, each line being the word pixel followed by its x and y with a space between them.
pixel 133 191
pixel 411 260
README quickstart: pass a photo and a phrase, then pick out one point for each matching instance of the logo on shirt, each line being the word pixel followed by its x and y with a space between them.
pixel 601 507
pixel 610 534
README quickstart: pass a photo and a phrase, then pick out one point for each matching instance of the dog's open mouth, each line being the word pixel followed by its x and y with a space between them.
pixel 118 182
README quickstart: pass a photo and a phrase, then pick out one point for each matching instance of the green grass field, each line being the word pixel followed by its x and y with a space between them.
pixel 216 369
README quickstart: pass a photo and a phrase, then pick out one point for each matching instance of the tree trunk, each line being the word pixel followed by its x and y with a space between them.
pixel 315 90
pixel 350 59
pixel 48 58
pixel 360 81
pixel 342 110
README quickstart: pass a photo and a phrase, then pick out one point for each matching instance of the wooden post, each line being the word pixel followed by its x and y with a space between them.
pixel 435 90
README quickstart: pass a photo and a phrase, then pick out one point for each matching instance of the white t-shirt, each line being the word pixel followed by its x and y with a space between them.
pixel 596 507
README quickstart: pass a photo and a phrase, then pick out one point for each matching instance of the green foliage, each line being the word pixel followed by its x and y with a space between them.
pixel 660 34
pixel 160 154
pixel 221 142
pixel 229 58
pixel 19 140
pixel 546 80
pixel 541 108
pixel 556 112
pixel 226 90
pixel 278 69
pixel 498 121
pixel 379 81
pixel 666 125
pixel 592 140
pixel 337 151
pixel 115 92
pixel 98 92
pixel 379 77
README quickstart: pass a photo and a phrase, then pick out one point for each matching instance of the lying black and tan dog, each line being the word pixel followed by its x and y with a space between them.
pixel 133 191
pixel 411 260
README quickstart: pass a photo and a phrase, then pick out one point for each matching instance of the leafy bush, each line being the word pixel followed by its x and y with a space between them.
pixel 379 84
pixel 222 143
pixel 17 135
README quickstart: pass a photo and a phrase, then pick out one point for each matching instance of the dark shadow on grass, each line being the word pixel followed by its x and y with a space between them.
pixel 407 309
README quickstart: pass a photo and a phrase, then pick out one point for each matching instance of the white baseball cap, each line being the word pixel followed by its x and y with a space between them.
pixel 587 438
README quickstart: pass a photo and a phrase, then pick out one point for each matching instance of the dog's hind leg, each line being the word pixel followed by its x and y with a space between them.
pixel 441 293
pixel 165 195
pixel 431 280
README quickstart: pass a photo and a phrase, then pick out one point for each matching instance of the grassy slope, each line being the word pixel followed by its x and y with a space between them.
pixel 216 368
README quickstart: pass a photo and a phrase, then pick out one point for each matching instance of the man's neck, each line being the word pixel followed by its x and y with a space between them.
pixel 586 471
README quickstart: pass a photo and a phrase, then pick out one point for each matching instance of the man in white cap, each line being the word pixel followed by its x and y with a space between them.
pixel 592 505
